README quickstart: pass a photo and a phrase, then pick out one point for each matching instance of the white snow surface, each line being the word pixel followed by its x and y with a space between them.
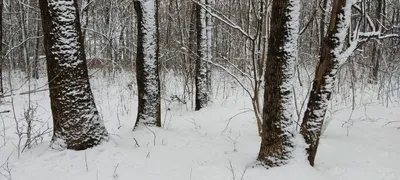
pixel 200 145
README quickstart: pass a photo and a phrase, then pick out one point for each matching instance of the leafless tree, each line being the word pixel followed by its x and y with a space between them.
pixel 148 82
pixel 76 121
pixel 277 131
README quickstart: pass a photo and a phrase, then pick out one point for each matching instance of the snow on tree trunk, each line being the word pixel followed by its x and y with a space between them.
pixel 202 57
pixel 325 76
pixel 148 81
pixel 76 121
pixel 1 48
pixel 277 129
pixel 209 27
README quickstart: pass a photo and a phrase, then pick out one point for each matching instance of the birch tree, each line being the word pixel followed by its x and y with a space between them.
pixel 76 121
pixel 148 81
pixel 277 131
pixel 202 93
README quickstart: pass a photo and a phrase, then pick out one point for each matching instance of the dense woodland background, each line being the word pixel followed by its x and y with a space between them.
pixel 110 38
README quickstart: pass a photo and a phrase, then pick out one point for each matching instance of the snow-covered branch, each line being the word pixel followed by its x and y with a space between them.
pixel 358 37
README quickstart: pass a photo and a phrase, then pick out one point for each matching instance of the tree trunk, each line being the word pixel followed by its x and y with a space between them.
pixel 191 64
pixel 85 16
pixel 322 23
pixel 201 61
pixel 374 72
pixel 148 80
pixel 277 130
pixel 24 22
pixel 35 63
pixel 209 29
pixel 376 49
pixel 1 49
pixel 76 121
pixel 325 76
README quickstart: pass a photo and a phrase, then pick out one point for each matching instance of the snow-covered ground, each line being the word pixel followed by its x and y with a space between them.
pixel 219 142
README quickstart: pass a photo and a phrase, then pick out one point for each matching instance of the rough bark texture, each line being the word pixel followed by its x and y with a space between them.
pixel 1 48
pixel 201 62
pixel 76 121
pixel 324 79
pixel 148 81
pixel 277 130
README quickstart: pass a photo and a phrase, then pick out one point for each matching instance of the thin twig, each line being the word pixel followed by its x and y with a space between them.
pixel 154 134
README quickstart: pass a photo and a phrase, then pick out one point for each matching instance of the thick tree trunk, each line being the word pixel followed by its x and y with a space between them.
pixel 202 95
pixel 76 121
pixel 277 130
pixel 325 76
pixel 148 80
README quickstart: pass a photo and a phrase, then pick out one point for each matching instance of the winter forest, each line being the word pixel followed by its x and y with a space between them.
pixel 200 89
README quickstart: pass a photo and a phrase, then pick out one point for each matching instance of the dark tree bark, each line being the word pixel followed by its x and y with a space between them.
pixel 22 18
pixel 1 48
pixel 202 95
pixel 374 72
pixel 277 130
pixel 148 80
pixel 35 63
pixel 76 121
pixel 376 49
pixel 325 77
